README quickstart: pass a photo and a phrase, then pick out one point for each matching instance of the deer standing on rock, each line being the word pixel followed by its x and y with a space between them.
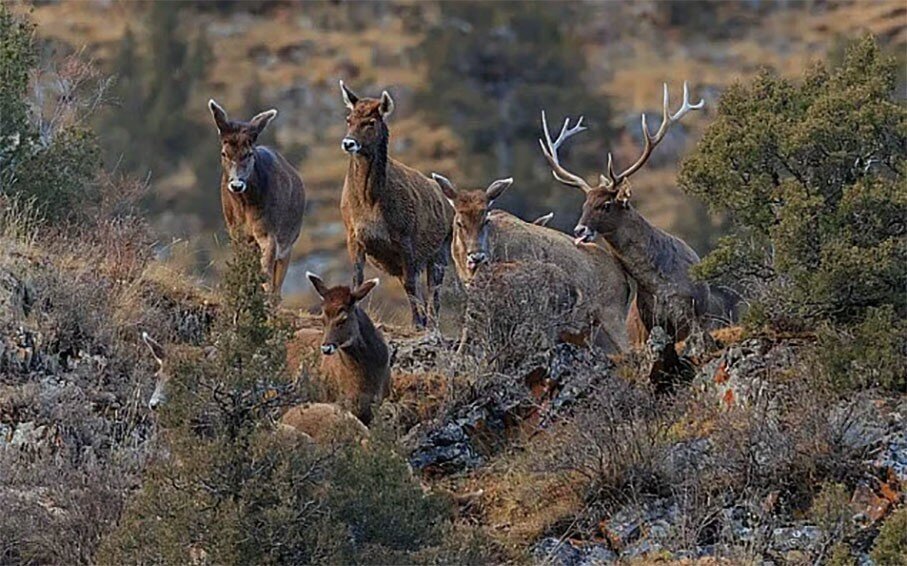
pixel 394 215
pixel 660 263
pixel 260 192
pixel 482 235
pixel 355 358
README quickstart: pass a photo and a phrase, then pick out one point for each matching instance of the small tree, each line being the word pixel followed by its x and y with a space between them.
pixel 812 174
pixel 235 489
pixel 47 155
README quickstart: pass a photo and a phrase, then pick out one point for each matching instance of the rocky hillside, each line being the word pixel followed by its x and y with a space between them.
pixel 566 457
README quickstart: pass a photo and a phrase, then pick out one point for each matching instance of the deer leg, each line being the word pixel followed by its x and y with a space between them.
pixel 411 285
pixel 268 262
pixel 357 257
pixel 435 278
pixel 281 266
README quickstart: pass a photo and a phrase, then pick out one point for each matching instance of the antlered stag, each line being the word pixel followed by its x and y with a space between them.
pixel 660 263
pixel 355 359
pixel 260 192
pixel 482 235
pixel 394 215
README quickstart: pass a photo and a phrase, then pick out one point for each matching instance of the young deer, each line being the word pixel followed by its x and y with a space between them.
pixel 394 215
pixel 659 262
pixel 260 192
pixel 485 236
pixel 355 359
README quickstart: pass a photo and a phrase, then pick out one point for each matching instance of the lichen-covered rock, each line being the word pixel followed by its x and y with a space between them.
pixel 548 384
pixel 559 552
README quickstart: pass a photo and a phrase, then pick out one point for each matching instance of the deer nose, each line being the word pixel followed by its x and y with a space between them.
pixel 583 234
pixel 349 145
pixel 328 349
pixel 237 185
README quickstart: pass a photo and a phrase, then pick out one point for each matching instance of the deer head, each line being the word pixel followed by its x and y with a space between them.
pixel 470 231
pixel 366 127
pixel 608 200
pixel 338 311
pixel 237 140
pixel 159 397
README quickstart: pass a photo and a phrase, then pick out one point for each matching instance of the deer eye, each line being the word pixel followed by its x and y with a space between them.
pixel 459 223
pixel 223 154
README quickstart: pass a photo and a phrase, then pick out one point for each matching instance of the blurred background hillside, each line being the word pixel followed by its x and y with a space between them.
pixel 469 80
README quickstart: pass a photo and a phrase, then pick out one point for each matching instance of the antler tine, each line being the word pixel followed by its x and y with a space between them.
pixel 667 121
pixel 549 150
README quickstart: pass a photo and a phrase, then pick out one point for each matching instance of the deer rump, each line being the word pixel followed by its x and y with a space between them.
pixel 600 285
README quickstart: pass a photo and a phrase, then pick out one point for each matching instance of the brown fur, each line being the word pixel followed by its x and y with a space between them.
pixel 602 289
pixel 270 209
pixel 636 330
pixel 324 422
pixel 356 359
pixel 394 216
pixel 660 263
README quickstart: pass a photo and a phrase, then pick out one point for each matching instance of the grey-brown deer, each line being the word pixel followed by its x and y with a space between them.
pixel 355 360
pixel 667 294
pixel 261 193
pixel 394 215
pixel 484 235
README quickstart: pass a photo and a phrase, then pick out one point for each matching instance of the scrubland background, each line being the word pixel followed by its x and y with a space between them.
pixel 469 79
pixel 786 444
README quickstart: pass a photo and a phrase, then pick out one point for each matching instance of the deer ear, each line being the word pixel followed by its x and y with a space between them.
pixel 446 187
pixel 387 104
pixel 543 220
pixel 349 97
pixel 260 121
pixel 220 116
pixel 361 291
pixel 497 188
pixel 156 349
pixel 318 283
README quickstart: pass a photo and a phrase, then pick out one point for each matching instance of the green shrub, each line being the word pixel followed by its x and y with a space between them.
pixel 46 155
pixel 868 354
pixel 812 176
pixel 890 546
pixel 831 511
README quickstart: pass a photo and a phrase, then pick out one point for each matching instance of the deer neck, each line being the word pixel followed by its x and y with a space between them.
pixel 369 351
pixel 643 250
pixel 368 173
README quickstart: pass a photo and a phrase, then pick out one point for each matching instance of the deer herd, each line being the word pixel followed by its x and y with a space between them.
pixel 608 295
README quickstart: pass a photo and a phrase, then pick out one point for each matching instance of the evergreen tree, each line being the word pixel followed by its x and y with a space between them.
pixel 236 490
pixel 812 176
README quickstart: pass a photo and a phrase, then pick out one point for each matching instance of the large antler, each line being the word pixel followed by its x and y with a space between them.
pixel 667 121
pixel 549 149
pixel 613 180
